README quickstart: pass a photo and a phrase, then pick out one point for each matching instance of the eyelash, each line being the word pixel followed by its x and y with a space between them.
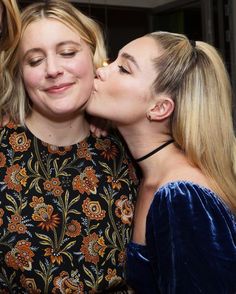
pixel 123 70
pixel 34 63
pixel 69 53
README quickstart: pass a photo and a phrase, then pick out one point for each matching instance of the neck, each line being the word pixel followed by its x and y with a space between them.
pixel 142 142
pixel 59 133
pixel 154 151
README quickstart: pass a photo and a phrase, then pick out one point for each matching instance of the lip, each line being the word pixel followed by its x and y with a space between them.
pixel 59 88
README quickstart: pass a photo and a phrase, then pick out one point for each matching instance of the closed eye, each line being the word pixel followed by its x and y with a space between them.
pixel 68 53
pixel 34 62
pixel 123 70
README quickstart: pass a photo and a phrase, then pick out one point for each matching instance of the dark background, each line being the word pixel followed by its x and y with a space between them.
pixel 213 21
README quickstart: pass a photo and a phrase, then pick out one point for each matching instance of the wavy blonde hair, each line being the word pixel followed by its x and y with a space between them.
pixel 18 103
pixel 194 75
pixel 8 42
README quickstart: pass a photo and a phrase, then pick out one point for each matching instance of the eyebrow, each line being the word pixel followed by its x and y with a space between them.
pixel 130 57
pixel 32 50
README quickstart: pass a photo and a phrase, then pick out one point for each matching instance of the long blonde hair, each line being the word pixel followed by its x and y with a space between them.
pixel 194 75
pixel 10 35
pixel 18 104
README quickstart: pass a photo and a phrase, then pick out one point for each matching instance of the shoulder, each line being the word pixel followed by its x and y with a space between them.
pixel 113 155
pixel 191 234
pixel 186 191
pixel 115 144
pixel 190 202
pixel 7 130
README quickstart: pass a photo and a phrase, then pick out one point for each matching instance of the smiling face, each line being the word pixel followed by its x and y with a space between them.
pixel 123 89
pixel 57 68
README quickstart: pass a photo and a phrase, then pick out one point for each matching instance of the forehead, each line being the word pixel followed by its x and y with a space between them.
pixel 144 48
pixel 46 31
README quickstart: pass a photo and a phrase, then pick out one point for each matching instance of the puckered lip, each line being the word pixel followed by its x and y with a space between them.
pixel 59 88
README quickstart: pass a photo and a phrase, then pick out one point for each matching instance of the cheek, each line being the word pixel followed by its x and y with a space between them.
pixel 31 78
pixel 119 89
pixel 83 67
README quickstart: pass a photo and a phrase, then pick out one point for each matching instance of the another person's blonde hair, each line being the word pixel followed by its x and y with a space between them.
pixel 10 34
pixel 18 104
pixel 195 77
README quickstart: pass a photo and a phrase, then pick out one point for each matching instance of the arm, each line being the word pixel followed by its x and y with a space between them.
pixel 191 239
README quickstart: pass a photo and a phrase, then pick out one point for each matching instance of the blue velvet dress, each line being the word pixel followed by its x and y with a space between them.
pixel 190 244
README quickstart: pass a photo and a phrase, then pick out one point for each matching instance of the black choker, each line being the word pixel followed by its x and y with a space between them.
pixel 155 150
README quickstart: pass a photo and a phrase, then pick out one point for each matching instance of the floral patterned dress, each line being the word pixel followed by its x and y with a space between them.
pixel 65 214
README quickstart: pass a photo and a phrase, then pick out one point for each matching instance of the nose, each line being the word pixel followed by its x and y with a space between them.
pixel 53 68
pixel 101 73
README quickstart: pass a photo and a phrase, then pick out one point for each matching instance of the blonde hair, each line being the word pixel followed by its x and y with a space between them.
pixel 9 39
pixel 194 75
pixel 18 105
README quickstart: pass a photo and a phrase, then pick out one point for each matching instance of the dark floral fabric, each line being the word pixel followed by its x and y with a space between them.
pixel 65 214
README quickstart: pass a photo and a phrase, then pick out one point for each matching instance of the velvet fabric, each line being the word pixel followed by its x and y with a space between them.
pixel 190 244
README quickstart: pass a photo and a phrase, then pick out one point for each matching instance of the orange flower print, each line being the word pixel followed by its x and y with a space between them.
pixel 109 151
pixel 20 257
pixel 16 177
pixel 73 229
pixel 54 256
pixel 20 228
pixel 114 182
pixel 19 142
pixel 93 209
pixel 11 227
pixel 36 201
pixel 124 210
pixel 15 224
pixel 29 285
pixel 93 246
pixel 55 182
pixel 16 218
pixel 43 213
pixel 48 185
pixel 111 274
pixel 1 215
pixel 86 181
pixel 66 284
pixel 83 151
pixel 53 185
pixel 1 212
pixel 11 125
pixel 57 150
pixel 132 173
pixel 2 159
pixel 121 257
pixel 57 191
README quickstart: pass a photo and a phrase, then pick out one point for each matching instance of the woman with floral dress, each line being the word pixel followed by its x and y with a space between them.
pixel 66 204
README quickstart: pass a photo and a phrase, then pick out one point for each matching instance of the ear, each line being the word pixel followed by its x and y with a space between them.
pixel 163 108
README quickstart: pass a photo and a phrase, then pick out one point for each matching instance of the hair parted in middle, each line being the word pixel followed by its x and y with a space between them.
pixel 196 78
pixel 17 104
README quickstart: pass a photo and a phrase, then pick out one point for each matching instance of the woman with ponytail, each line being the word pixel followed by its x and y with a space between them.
pixel 171 100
